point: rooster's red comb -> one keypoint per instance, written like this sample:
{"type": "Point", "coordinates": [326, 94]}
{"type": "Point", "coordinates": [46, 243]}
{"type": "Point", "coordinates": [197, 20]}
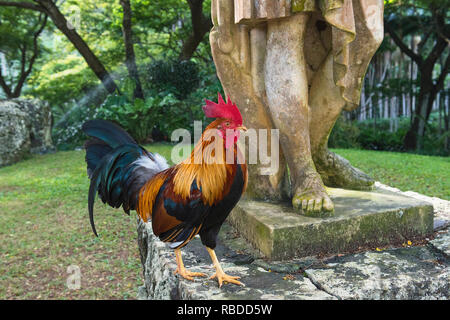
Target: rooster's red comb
{"type": "Point", "coordinates": [221, 109]}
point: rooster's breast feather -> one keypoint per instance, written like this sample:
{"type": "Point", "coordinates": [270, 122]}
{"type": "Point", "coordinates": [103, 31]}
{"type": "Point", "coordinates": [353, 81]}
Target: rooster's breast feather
{"type": "Point", "coordinates": [178, 220]}
{"type": "Point", "coordinates": [187, 198]}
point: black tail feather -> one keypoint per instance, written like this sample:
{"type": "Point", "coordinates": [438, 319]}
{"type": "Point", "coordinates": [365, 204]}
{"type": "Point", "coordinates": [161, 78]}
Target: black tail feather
{"type": "Point", "coordinates": [115, 173]}
{"type": "Point", "coordinates": [96, 149]}
{"type": "Point", "coordinates": [107, 131]}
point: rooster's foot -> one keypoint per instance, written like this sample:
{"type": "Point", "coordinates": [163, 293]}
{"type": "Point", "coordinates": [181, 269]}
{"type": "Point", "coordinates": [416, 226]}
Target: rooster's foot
{"type": "Point", "coordinates": [182, 271]}
{"type": "Point", "coordinates": [223, 277]}
{"type": "Point", "coordinates": [188, 275]}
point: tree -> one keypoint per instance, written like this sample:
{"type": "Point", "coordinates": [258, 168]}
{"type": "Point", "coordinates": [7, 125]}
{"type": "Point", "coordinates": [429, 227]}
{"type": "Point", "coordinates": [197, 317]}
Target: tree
{"type": "Point", "coordinates": [181, 24]}
{"type": "Point", "coordinates": [49, 8]}
{"type": "Point", "coordinates": [201, 25]}
{"type": "Point", "coordinates": [429, 20]}
{"type": "Point", "coordinates": [21, 51]}
{"type": "Point", "coordinates": [130, 59]}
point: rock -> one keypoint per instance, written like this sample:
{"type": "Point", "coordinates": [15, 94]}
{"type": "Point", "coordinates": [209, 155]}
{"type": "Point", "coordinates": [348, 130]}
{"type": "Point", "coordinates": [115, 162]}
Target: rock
{"type": "Point", "coordinates": [362, 219]}
{"type": "Point", "coordinates": [25, 126]}
{"type": "Point", "coordinates": [439, 224]}
{"type": "Point", "coordinates": [413, 272]}
{"type": "Point", "coordinates": [160, 282]}
{"type": "Point", "coordinates": [441, 207]}
{"type": "Point", "coordinates": [405, 273]}
{"type": "Point", "coordinates": [442, 242]}
{"type": "Point", "coordinates": [15, 141]}
{"type": "Point", "coordinates": [41, 124]}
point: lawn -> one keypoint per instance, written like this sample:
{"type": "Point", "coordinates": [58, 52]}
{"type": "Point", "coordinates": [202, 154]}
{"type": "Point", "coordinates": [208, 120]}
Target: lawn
{"type": "Point", "coordinates": [44, 228]}
{"type": "Point", "coordinates": [428, 175]}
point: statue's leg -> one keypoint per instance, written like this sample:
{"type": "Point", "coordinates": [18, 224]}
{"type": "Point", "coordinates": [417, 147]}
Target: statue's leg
{"type": "Point", "coordinates": [326, 105]}
{"type": "Point", "coordinates": [287, 94]}
{"type": "Point", "coordinates": [326, 98]}
{"type": "Point", "coordinates": [239, 71]}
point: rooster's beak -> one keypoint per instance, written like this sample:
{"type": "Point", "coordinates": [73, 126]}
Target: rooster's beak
{"type": "Point", "coordinates": [242, 128]}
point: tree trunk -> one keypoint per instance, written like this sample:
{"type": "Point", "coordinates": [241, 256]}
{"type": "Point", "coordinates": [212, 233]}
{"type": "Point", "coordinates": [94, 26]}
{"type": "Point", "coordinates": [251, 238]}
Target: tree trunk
{"type": "Point", "coordinates": [427, 94]}
{"type": "Point", "coordinates": [129, 50]}
{"type": "Point", "coordinates": [428, 88]}
{"type": "Point", "coordinates": [200, 26]}
{"type": "Point", "coordinates": [24, 70]}
{"type": "Point", "coordinates": [414, 137]}
{"type": "Point", "coordinates": [91, 59]}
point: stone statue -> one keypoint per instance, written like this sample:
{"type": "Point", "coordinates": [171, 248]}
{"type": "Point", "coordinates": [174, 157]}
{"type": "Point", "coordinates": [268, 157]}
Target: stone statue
{"type": "Point", "coordinates": [295, 65]}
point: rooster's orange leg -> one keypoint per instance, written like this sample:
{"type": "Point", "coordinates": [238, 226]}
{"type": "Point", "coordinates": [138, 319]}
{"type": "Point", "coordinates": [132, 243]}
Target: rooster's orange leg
{"type": "Point", "coordinates": [182, 271]}
{"type": "Point", "coordinates": [220, 274]}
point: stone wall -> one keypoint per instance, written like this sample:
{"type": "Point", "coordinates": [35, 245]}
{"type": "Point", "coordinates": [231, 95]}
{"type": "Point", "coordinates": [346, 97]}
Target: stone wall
{"type": "Point", "coordinates": [25, 126]}
{"type": "Point", "coordinates": [413, 270]}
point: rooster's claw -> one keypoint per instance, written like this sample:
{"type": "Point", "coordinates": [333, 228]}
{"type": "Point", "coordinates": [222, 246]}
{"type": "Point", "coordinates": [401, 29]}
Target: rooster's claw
{"type": "Point", "coordinates": [221, 278]}
{"type": "Point", "coordinates": [188, 275]}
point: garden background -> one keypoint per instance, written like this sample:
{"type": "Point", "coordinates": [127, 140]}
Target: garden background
{"type": "Point", "coordinates": [147, 65]}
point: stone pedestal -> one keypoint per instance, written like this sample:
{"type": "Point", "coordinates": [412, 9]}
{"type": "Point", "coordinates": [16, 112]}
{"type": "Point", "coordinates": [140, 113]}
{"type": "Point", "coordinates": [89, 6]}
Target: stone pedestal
{"type": "Point", "coordinates": [362, 220]}
{"type": "Point", "coordinates": [418, 270]}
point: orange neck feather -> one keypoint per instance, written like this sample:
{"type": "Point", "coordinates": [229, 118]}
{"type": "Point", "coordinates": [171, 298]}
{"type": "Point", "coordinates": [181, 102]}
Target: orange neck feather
{"type": "Point", "coordinates": [211, 177]}
{"type": "Point", "coordinates": [207, 166]}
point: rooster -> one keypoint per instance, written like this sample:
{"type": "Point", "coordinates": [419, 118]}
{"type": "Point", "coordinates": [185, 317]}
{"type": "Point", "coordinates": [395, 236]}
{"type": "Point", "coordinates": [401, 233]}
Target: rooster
{"type": "Point", "coordinates": [190, 198]}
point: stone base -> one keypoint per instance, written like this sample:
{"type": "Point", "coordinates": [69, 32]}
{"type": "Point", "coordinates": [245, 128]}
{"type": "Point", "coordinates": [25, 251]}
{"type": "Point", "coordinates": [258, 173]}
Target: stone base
{"type": "Point", "coordinates": [411, 272]}
{"type": "Point", "coordinates": [262, 281]}
{"type": "Point", "coordinates": [416, 270]}
{"type": "Point", "coordinates": [362, 220]}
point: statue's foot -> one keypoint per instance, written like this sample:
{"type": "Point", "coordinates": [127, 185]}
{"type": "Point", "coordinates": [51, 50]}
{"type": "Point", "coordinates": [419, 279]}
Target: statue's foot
{"type": "Point", "coordinates": [337, 171]}
{"type": "Point", "coordinates": [310, 197]}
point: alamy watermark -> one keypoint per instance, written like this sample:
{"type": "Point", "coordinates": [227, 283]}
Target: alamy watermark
{"type": "Point", "coordinates": [254, 144]}
{"type": "Point", "coordinates": [73, 281]}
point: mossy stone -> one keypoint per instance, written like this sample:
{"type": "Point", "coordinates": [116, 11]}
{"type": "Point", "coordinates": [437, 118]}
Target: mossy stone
{"type": "Point", "coordinates": [362, 220]}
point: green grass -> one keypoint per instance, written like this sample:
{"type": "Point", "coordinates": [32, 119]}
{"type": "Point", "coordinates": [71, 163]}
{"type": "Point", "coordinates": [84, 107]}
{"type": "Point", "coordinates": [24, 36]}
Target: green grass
{"type": "Point", "coordinates": [44, 225]}
{"type": "Point", "coordinates": [44, 229]}
{"type": "Point", "coordinates": [428, 175]}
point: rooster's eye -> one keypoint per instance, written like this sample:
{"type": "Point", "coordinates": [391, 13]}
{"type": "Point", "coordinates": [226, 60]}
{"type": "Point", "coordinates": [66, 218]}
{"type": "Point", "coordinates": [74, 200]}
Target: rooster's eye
{"type": "Point", "coordinates": [227, 124]}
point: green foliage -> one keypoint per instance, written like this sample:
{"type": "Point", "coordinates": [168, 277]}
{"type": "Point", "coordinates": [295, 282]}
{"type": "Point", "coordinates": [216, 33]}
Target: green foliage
{"type": "Point", "coordinates": [177, 77]}
{"type": "Point", "coordinates": [423, 20]}
{"type": "Point", "coordinates": [345, 134]}
{"type": "Point", "coordinates": [18, 29]}
{"type": "Point", "coordinates": [66, 133]}
{"type": "Point", "coordinates": [371, 135]}
{"type": "Point", "coordinates": [373, 138]}
{"type": "Point", "coordinates": [62, 81]}
{"type": "Point", "coordinates": [154, 118]}
{"type": "Point", "coordinates": [163, 110]}
{"type": "Point", "coordinates": [17, 22]}
{"type": "Point", "coordinates": [174, 91]}
{"type": "Point", "coordinates": [138, 117]}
